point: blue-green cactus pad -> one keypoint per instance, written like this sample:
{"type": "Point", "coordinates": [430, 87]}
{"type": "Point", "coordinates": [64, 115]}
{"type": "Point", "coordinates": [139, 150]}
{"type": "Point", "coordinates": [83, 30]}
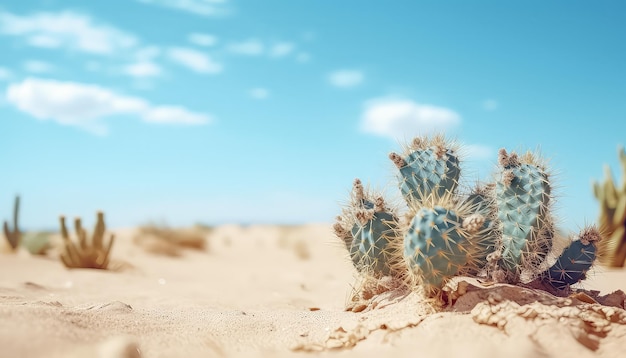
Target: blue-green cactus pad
{"type": "Point", "coordinates": [572, 265]}
{"type": "Point", "coordinates": [424, 174]}
{"type": "Point", "coordinates": [522, 208]}
{"type": "Point", "coordinates": [433, 246]}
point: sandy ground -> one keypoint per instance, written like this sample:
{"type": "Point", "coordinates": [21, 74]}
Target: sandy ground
{"type": "Point", "coordinates": [275, 291]}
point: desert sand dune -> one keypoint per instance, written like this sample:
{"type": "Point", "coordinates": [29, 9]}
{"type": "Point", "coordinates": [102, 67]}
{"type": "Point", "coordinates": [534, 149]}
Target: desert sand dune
{"type": "Point", "coordinates": [280, 291]}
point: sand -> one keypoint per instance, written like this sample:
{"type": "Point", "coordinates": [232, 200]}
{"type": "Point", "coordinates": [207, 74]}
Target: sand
{"type": "Point", "coordinates": [280, 291]}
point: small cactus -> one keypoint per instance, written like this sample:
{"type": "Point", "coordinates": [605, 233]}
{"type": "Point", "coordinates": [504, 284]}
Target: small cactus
{"type": "Point", "coordinates": [573, 264]}
{"type": "Point", "coordinates": [367, 227]}
{"type": "Point", "coordinates": [14, 236]}
{"type": "Point", "coordinates": [438, 244]}
{"type": "Point", "coordinates": [87, 254]}
{"type": "Point", "coordinates": [429, 166]}
{"type": "Point", "coordinates": [523, 199]}
{"type": "Point", "coordinates": [502, 230]}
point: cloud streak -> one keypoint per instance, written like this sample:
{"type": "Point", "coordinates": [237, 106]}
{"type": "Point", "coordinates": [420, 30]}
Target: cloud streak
{"type": "Point", "coordinates": [346, 78]}
{"type": "Point", "coordinates": [86, 105]}
{"type": "Point", "coordinates": [403, 118]}
{"type": "Point", "coordinates": [198, 7]}
{"type": "Point", "coordinates": [194, 60]}
{"type": "Point", "coordinates": [66, 29]}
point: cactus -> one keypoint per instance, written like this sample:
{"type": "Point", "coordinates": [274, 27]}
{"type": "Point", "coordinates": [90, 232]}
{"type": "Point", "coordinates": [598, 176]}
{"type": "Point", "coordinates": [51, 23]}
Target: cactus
{"type": "Point", "coordinates": [438, 243]}
{"type": "Point", "coordinates": [14, 236]}
{"type": "Point", "coordinates": [367, 227]}
{"type": "Point", "coordinates": [573, 264]}
{"type": "Point", "coordinates": [428, 166]}
{"type": "Point", "coordinates": [87, 254]}
{"type": "Point", "coordinates": [501, 230]}
{"type": "Point", "coordinates": [612, 200]}
{"type": "Point", "coordinates": [523, 198]}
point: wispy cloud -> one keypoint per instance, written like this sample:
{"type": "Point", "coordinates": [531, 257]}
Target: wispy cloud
{"type": "Point", "coordinates": [403, 118]}
{"type": "Point", "coordinates": [143, 69]}
{"type": "Point", "coordinates": [250, 47]}
{"type": "Point", "coordinates": [198, 7]}
{"type": "Point", "coordinates": [202, 39]}
{"type": "Point", "coordinates": [259, 93]}
{"type": "Point", "coordinates": [346, 78]}
{"type": "Point", "coordinates": [67, 29]}
{"type": "Point", "coordinates": [490, 105]}
{"type": "Point", "coordinates": [86, 105]}
{"type": "Point", "coordinates": [38, 67]}
{"type": "Point", "coordinates": [195, 60]}
{"type": "Point", "coordinates": [282, 49]}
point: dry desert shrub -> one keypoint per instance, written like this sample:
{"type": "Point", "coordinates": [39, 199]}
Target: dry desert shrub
{"type": "Point", "coordinates": [94, 253]}
{"type": "Point", "coordinates": [166, 241]}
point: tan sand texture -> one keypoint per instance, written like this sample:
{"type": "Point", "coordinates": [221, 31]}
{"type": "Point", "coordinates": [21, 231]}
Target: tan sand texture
{"type": "Point", "coordinates": [266, 291]}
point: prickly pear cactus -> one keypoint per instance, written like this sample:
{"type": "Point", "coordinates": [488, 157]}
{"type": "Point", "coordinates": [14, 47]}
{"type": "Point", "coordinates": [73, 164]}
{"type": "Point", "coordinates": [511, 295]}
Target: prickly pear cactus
{"type": "Point", "coordinates": [428, 166]}
{"type": "Point", "coordinates": [523, 199]}
{"type": "Point", "coordinates": [502, 230]}
{"type": "Point", "coordinates": [367, 229]}
{"type": "Point", "coordinates": [573, 264]}
{"type": "Point", "coordinates": [437, 245]}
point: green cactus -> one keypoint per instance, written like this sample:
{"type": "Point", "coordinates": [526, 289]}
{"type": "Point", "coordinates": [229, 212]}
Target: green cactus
{"type": "Point", "coordinates": [523, 199]}
{"type": "Point", "coordinates": [612, 200]}
{"type": "Point", "coordinates": [573, 264]}
{"type": "Point", "coordinates": [14, 236]}
{"type": "Point", "coordinates": [502, 230]}
{"type": "Point", "coordinates": [437, 245]}
{"type": "Point", "coordinates": [429, 166]}
{"type": "Point", "coordinates": [367, 229]}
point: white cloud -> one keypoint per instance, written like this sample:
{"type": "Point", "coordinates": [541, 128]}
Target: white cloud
{"type": "Point", "coordinates": [194, 60]}
{"type": "Point", "coordinates": [251, 47]}
{"type": "Point", "coordinates": [34, 66]}
{"type": "Point", "coordinates": [490, 105]}
{"type": "Point", "coordinates": [402, 118]}
{"type": "Point", "coordinates": [5, 74]}
{"type": "Point", "coordinates": [174, 114]}
{"type": "Point", "coordinates": [143, 69]}
{"type": "Point", "coordinates": [147, 53]}
{"type": "Point", "coordinates": [85, 105]}
{"type": "Point", "coordinates": [66, 29]}
{"type": "Point", "coordinates": [259, 93]}
{"type": "Point", "coordinates": [199, 7]}
{"type": "Point", "coordinates": [202, 39]}
{"type": "Point", "coordinates": [281, 49]}
{"type": "Point", "coordinates": [346, 78]}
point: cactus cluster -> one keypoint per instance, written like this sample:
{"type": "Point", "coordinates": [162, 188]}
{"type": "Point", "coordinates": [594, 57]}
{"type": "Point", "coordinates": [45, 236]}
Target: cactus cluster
{"type": "Point", "coordinates": [612, 199]}
{"type": "Point", "coordinates": [501, 230]}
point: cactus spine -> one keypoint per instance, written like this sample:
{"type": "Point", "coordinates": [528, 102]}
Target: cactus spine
{"type": "Point", "coordinates": [612, 200]}
{"type": "Point", "coordinates": [13, 236]}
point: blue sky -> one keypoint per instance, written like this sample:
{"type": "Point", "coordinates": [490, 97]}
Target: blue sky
{"type": "Point", "coordinates": [253, 111]}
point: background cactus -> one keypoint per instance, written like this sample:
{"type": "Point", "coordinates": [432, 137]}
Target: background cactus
{"type": "Point", "coordinates": [501, 230]}
{"type": "Point", "coordinates": [87, 254]}
{"type": "Point", "coordinates": [612, 200]}
{"type": "Point", "coordinates": [523, 199]}
{"type": "Point", "coordinates": [367, 228]}
{"type": "Point", "coordinates": [14, 235]}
